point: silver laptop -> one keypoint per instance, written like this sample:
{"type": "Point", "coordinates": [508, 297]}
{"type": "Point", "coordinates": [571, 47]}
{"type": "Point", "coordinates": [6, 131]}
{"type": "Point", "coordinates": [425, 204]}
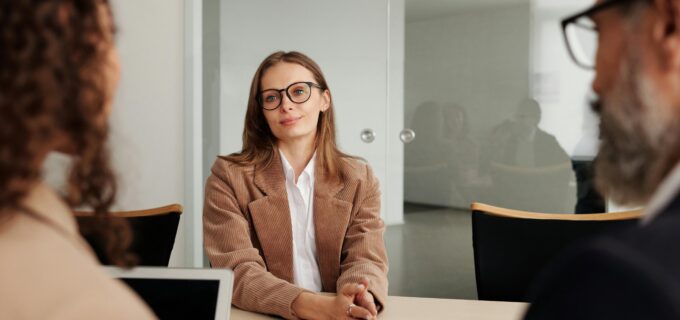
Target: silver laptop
{"type": "Point", "coordinates": [174, 293]}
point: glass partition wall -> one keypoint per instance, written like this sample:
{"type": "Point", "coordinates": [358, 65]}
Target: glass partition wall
{"type": "Point", "coordinates": [499, 111]}
{"type": "Point", "coordinates": [465, 101]}
{"type": "Point", "coordinates": [500, 116]}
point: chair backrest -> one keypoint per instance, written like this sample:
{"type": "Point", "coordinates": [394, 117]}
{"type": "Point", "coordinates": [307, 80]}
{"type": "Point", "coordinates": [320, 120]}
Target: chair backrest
{"type": "Point", "coordinates": [153, 230]}
{"type": "Point", "coordinates": [511, 247]}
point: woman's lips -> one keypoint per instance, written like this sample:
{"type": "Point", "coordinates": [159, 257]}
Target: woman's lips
{"type": "Point", "coordinates": [289, 121]}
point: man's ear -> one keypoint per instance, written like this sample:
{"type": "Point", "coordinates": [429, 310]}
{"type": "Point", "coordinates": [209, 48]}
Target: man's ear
{"type": "Point", "coordinates": [326, 100]}
{"type": "Point", "coordinates": [666, 31]}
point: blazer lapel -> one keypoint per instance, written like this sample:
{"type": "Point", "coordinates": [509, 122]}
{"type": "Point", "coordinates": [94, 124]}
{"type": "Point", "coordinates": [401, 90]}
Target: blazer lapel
{"type": "Point", "coordinates": [331, 218]}
{"type": "Point", "coordinates": [271, 219]}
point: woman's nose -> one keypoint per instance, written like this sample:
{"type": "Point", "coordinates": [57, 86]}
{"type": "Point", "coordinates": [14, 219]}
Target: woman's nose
{"type": "Point", "coordinates": [286, 103]}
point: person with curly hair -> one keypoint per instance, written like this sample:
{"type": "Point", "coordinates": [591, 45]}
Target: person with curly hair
{"type": "Point", "coordinates": [291, 214]}
{"type": "Point", "coordinates": [58, 73]}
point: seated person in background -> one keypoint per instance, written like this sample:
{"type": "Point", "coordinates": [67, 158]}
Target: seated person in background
{"type": "Point", "coordinates": [58, 71]}
{"type": "Point", "coordinates": [291, 214]}
{"type": "Point", "coordinates": [520, 142]}
{"type": "Point", "coordinates": [635, 273]}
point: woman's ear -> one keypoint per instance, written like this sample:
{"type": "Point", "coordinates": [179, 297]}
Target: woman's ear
{"type": "Point", "coordinates": [326, 100]}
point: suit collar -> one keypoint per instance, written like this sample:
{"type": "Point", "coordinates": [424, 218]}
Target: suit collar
{"type": "Point", "coordinates": [325, 186]}
{"type": "Point", "coordinates": [271, 180]}
{"type": "Point", "coordinates": [332, 215]}
{"type": "Point", "coordinates": [331, 220]}
{"type": "Point", "coordinates": [665, 196]}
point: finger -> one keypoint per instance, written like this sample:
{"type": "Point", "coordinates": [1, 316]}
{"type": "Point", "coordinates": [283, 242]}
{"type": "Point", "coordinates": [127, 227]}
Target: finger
{"type": "Point", "coordinates": [352, 289]}
{"type": "Point", "coordinates": [367, 301]}
{"type": "Point", "coordinates": [358, 312]}
{"type": "Point", "coordinates": [372, 307]}
{"type": "Point", "coordinates": [365, 282]}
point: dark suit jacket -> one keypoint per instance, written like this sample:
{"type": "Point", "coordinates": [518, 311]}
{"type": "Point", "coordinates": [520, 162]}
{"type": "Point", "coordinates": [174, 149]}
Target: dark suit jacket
{"type": "Point", "coordinates": [632, 274]}
{"type": "Point", "coordinates": [247, 228]}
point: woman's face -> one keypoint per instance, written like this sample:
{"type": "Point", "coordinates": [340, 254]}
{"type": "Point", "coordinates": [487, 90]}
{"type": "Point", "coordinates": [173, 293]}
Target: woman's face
{"type": "Point", "coordinates": [112, 62]}
{"type": "Point", "coordinates": [292, 121]}
{"type": "Point", "coordinates": [112, 78]}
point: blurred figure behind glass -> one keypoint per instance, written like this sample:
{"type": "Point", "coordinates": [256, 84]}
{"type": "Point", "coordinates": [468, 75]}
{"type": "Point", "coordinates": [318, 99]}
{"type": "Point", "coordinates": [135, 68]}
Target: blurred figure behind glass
{"type": "Point", "coordinates": [528, 168]}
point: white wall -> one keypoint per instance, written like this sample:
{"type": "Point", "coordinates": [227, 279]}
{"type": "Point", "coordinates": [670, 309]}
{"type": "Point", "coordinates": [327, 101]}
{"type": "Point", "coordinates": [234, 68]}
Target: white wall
{"type": "Point", "coordinates": [147, 118]}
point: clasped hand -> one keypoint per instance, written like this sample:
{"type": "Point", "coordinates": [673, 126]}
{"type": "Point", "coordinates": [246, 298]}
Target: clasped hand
{"type": "Point", "coordinates": [353, 301]}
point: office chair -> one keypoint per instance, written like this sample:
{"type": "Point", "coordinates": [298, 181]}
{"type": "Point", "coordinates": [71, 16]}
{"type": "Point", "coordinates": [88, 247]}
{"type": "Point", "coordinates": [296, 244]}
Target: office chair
{"type": "Point", "coordinates": [153, 231]}
{"type": "Point", "coordinates": [512, 247]}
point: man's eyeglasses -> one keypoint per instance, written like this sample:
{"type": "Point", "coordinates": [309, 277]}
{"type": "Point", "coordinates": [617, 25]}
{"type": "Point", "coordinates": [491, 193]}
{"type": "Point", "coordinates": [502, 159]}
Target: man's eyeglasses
{"type": "Point", "coordinates": [298, 92]}
{"type": "Point", "coordinates": [580, 33]}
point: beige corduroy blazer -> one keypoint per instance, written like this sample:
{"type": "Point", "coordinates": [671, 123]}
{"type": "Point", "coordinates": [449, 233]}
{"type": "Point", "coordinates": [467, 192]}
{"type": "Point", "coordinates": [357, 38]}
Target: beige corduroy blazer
{"type": "Point", "coordinates": [247, 228]}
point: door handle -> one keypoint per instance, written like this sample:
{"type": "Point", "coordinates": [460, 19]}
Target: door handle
{"type": "Point", "coordinates": [407, 135]}
{"type": "Point", "coordinates": [367, 135]}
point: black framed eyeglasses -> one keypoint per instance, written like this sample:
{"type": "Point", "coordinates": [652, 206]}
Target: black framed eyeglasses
{"type": "Point", "coordinates": [298, 92]}
{"type": "Point", "coordinates": [581, 35]}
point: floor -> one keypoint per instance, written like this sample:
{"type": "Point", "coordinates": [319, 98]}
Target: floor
{"type": "Point", "coordinates": [431, 255]}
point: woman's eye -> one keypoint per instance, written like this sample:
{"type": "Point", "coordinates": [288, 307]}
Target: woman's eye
{"type": "Point", "coordinates": [299, 92]}
{"type": "Point", "coordinates": [270, 98]}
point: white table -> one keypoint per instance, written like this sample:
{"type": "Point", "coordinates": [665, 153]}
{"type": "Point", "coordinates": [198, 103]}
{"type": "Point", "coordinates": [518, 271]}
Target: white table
{"type": "Point", "coordinates": [428, 308]}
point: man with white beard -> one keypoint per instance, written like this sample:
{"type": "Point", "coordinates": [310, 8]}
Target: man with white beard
{"type": "Point", "coordinates": [633, 273]}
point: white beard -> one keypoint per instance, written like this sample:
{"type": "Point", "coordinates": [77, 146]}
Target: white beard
{"type": "Point", "coordinates": [638, 127]}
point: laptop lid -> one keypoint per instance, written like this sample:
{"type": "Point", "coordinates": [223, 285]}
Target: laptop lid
{"type": "Point", "coordinates": [174, 293]}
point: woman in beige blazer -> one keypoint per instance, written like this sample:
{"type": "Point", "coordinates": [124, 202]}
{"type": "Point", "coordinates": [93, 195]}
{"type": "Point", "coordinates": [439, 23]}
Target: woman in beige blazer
{"type": "Point", "coordinates": [58, 69]}
{"type": "Point", "coordinates": [291, 214]}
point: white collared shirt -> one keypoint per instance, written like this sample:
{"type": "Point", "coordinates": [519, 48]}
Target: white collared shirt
{"type": "Point", "coordinates": [663, 195]}
{"type": "Point", "coordinates": [301, 202]}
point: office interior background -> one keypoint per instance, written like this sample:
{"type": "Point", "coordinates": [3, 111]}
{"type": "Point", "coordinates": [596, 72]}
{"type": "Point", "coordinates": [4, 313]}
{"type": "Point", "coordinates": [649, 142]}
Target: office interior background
{"type": "Point", "coordinates": [449, 101]}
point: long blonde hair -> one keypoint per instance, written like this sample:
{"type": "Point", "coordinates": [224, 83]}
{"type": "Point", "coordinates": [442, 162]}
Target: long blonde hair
{"type": "Point", "coordinates": [259, 143]}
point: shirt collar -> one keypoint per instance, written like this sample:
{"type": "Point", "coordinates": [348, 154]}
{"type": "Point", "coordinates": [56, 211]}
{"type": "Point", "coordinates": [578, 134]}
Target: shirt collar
{"type": "Point", "coordinates": [663, 195]}
{"type": "Point", "coordinates": [290, 173]}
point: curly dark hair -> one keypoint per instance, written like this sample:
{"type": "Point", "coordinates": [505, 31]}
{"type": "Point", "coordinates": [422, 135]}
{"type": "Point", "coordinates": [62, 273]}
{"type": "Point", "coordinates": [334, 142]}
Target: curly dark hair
{"type": "Point", "coordinates": [53, 86]}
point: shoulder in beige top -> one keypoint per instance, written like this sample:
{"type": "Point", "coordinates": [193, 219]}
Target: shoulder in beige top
{"type": "Point", "coordinates": [48, 271]}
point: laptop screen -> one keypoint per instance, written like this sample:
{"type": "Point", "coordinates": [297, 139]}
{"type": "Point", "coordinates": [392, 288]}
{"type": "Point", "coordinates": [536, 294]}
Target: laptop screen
{"type": "Point", "coordinates": [181, 293]}
{"type": "Point", "coordinates": [178, 298]}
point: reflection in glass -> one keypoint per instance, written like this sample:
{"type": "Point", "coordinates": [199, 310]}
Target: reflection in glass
{"type": "Point", "coordinates": [496, 104]}
{"type": "Point", "coordinates": [424, 163]}
{"type": "Point", "coordinates": [588, 198]}
{"type": "Point", "coordinates": [527, 166]}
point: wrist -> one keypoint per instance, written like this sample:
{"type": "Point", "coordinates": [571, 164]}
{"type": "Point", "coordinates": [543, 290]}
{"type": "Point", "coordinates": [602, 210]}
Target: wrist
{"type": "Point", "coordinates": [305, 305]}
